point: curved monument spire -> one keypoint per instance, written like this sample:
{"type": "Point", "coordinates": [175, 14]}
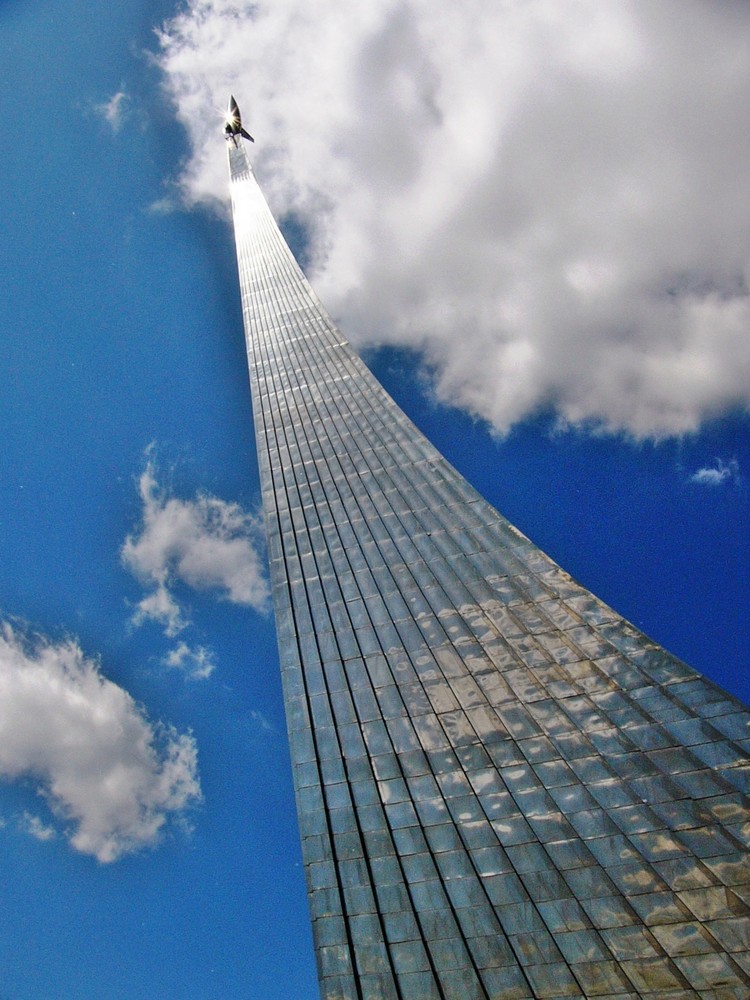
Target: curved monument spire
{"type": "Point", "coordinates": [505, 791]}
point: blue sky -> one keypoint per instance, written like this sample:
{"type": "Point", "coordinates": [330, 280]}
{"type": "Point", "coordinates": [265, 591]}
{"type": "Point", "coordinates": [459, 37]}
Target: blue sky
{"type": "Point", "coordinates": [124, 371]}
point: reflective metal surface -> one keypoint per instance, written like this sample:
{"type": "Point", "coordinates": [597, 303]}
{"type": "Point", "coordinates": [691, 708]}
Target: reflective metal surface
{"type": "Point", "coordinates": [504, 789]}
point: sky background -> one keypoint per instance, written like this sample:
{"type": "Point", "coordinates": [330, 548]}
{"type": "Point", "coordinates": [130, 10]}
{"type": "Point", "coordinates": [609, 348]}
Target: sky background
{"type": "Point", "coordinates": [532, 219]}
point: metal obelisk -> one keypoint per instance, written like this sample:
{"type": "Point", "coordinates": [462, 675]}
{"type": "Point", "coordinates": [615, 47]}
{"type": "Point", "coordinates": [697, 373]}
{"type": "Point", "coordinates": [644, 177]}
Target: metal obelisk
{"type": "Point", "coordinates": [504, 789]}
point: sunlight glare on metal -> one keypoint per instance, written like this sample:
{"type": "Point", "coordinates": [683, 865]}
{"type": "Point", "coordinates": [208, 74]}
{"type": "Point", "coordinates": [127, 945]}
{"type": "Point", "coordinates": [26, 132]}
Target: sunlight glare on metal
{"type": "Point", "coordinates": [224, 116]}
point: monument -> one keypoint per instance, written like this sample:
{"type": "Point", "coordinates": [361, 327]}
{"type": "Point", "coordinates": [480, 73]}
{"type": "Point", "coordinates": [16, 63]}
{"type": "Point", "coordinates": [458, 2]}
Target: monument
{"type": "Point", "coordinates": [505, 791]}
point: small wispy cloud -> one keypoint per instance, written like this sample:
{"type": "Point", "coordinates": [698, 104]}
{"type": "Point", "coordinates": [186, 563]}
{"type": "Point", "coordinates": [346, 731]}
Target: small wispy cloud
{"type": "Point", "coordinates": [205, 544]}
{"type": "Point", "coordinates": [718, 475]}
{"type": "Point", "coordinates": [114, 110]}
{"type": "Point", "coordinates": [261, 721]}
{"type": "Point", "coordinates": [34, 826]}
{"type": "Point", "coordinates": [164, 206]}
{"type": "Point", "coordinates": [197, 662]}
{"type": "Point", "coordinates": [111, 778]}
{"type": "Point", "coordinates": [160, 606]}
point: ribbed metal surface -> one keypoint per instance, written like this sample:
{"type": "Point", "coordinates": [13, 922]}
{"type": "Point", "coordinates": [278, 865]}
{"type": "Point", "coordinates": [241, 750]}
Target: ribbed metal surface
{"type": "Point", "coordinates": [504, 789]}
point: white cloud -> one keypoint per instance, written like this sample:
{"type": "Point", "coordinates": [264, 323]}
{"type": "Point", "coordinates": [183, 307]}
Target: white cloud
{"type": "Point", "coordinates": [34, 826]}
{"type": "Point", "coordinates": [114, 110]}
{"type": "Point", "coordinates": [543, 198]}
{"type": "Point", "coordinates": [197, 662]}
{"type": "Point", "coordinates": [110, 777]}
{"type": "Point", "coordinates": [205, 543]}
{"type": "Point", "coordinates": [160, 606]}
{"type": "Point", "coordinates": [260, 720]}
{"type": "Point", "coordinates": [722, 472]}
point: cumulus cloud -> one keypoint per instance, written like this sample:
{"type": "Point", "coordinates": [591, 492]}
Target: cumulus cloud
{"type": "Point", "coordinates": [544, 199]}
{"type": "Point", "coordinates": [114, 110]}
{"type": "Point", "coordinates": [111, 778]}
{"type": "Point", "coordinates": [204, 543]}
{"type": "Point", "coordinates": [717, 475]}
